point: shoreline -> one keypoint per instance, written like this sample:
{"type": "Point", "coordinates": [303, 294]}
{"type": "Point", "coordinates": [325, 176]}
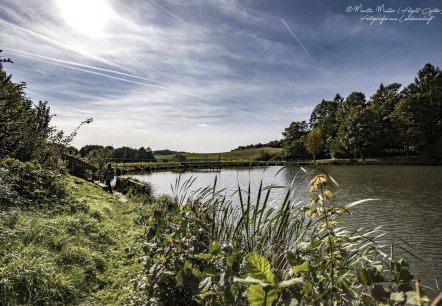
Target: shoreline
{"type": "Point", "coordinates": [123, 168]}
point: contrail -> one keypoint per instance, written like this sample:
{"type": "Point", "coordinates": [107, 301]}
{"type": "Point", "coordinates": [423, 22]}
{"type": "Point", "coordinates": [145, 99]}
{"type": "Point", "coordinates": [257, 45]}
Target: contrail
{"type": "Point", "coordinates": [130, 81]}
{"type": "Point", "coordinates": [201, 34]}
{"type": "Point", "coordinates": [114, 77]}
{"type": "Point", "coordinates": [300, 43]}
{"type": "Point", "coordinates": [81, 65]}
{"type": "Point", "coordinates": [168, 12]}
{"type": "Point", "coordinates": [64, 46]}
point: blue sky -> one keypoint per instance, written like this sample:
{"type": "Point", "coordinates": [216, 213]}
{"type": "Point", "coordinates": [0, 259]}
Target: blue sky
{"type": "Point", "coordinates": [207, 75]}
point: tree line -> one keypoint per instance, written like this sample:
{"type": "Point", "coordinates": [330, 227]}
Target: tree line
{"type": "Point", "coordinates": [395, 121]}
{"type": "Point", "coordinates": [99, 155]}
{"type": "Point", "coordinates": [115, 153]}
{"type": "Point", "coordinates": [271, 144]}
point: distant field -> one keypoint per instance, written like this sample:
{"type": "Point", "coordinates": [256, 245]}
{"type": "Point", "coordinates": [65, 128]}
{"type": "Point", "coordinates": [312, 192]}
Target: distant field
{"type": "Point", "coordinates": [241, 155]}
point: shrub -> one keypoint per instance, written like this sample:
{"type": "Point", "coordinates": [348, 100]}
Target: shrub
{"type": "Point", "coordinates": [133, 186]}
{"type": "Point", "coordinates": [26, 184]}
{"type": "Point", "coordinates": [211, 251]}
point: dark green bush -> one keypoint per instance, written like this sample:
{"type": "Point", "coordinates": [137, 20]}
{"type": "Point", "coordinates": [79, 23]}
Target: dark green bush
{"type": "Point", "coordinates": [133, 187]}
{"type": "Point", "coordinates": [26, 184]}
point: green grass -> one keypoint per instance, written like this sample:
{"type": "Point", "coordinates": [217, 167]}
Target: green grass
{"type": "Point", "coordinates": [392, 160]}
{"type": "Point", "coordinates": [73, 256]}
{"type": "Point", "coordinates": [96, 250]}
{"type": "Point", "coordinates": [236, 155]}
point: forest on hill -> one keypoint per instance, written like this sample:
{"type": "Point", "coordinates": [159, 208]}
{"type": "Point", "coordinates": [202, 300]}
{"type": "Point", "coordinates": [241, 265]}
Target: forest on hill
{"type": "Point", "coordinates": [393, 122]}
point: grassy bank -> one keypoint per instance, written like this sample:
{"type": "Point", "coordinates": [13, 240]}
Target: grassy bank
{"type": "Point", "coordinates": [392, 160]}
{"type": "Point", "coordinates": [82, 246]}
{"type": "Point", "coordinates": [164, 165]}
{"type": "Point", "coordinates": [70, 251]}
{"type": "Point", "coordinates": [250, 154]}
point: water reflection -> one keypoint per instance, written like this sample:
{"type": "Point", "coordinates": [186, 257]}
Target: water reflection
{"type": "Point", "coordinates": [409, 203]}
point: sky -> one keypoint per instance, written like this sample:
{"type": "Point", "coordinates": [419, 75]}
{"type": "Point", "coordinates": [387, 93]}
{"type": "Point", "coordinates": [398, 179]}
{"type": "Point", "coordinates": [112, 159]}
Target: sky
{"type": "Point", "coordinates": [208, 75]}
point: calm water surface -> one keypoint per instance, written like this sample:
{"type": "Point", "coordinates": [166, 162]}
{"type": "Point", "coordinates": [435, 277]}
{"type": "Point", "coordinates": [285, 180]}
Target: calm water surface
{"type": "Point", "coordinates": [409, 206]}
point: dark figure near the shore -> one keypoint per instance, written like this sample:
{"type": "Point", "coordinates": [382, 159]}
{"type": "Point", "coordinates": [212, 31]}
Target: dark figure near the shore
{"type": "Point", "coordinates": [109, 176]}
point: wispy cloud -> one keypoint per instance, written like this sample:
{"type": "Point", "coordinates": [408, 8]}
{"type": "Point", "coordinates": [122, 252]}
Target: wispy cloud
{"type": "Point", "coordinates": [61, 45]}
{"type": "Point", "coordinates": [180, 74]}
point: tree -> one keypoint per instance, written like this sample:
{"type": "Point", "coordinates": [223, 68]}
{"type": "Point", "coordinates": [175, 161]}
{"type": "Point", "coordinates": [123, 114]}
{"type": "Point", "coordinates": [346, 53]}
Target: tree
{"type": "Point", "coordinates": [427, 93]}
{"type": "Point", "coordinates": [407, 124]}
{"type": "Point", "coordinates": [144, 154]}
{"type": "Point", "coordinates": [313, 142]}
{"type": "Point", "coordinates": [353, 100]}
{"type": "Point", "coordinates": [358, 133]}
{"type": "Point", "coordinates": [25, 130]}
{"type": "Point", "coordinates": [323, 111]}
{"type": "Point", "coordinates": [323, 117]}
{"type": "Point", "coordinates": [99, 157]}
{"type": "Point", "coordinates": [294, 138]}
{"type": "Point", "coordinates": [84, 151]}
{"type": "Point", "coordinates": [417, 118]}
{"type": "Point", "coordinates": [383, 103]}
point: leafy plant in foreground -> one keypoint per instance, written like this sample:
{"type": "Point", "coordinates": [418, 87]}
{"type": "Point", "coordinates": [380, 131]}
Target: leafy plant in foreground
{"type": "Point", "coordinates": [208, 250]}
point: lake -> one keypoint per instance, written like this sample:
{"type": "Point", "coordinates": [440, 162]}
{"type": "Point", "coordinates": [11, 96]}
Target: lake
{"type": "Point", "coordinates": [409, 205]}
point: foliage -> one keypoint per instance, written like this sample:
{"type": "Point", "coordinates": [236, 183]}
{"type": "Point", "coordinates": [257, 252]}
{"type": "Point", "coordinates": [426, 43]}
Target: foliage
{"type": "Point", "coordinates": [243, 155]}
{"type": "Point", "coordinates": [129, 153]}
{"type": "Point", "coordinates": [294, 139]}
{"type": "Point", "coordinates": [266, 156]}
{"type": "Point", "coordinates": [409, 133]}
{"type": "Point", "coordinates": [25, 130]}
{"type": "Point", "coordinates": [201, 249]}
{"type": "Point", "coordinates": [99, 157]}
{"type": "Point", "coordinates": [102, 154]}
{"type": "Point", "coordinates": [359, 132]}
{"type": "Point", "coordinates": [392, 122]}
{"type": "Point", "coordinates": [313, 142]}
{"type": "Point", "coordinates": [133, 186]}
{"type": "Point", "coordinates": [270, 144]}
{"type": "Point", "coordinates": [28, 184]}
{"type": "Point", "coordinates": [66, 250]}
{"type": "Point", "coordinates": [165, 152]}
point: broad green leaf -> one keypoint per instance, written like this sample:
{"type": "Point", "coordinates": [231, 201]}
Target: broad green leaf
{"type": "Point", "coordinates": [229, 260]}
{"type": "Point", "coordinates": [379, 292]}
{"type": "Point", "coordinates": [403, 262]}
{"type": "Point", "coordinates": [302, 268]}
{"type": "Point", "coordinates": [258, 267]}
{"type": "Point", "coordinates": [257, 296]}
{"type": "Point", "coordinates": [210, 271]}
{"type": "Point", "coordinates": [187, 265]}
{"type": "Point", "coordinates": [207, 294]}
{"type": "Point", "coordinates": [364, 277]}
{"type": "Point", "coordinates": [405, 276]}
{"type": "Point", "coordinates": [327, 194]}
{"type": "Point", "coordinates": [204, 256]}
{"type": "Point", "coordinates": [345, 285]}
{"type": "Point", "coordinates": [396, 266]}
{"type": "Point", "coordinates": [215, 248]}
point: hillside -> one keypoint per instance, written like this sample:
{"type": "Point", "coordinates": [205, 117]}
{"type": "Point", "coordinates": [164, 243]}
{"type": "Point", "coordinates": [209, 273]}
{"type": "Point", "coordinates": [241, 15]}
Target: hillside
{"type": "Point", "coordinates": [249, 154]}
